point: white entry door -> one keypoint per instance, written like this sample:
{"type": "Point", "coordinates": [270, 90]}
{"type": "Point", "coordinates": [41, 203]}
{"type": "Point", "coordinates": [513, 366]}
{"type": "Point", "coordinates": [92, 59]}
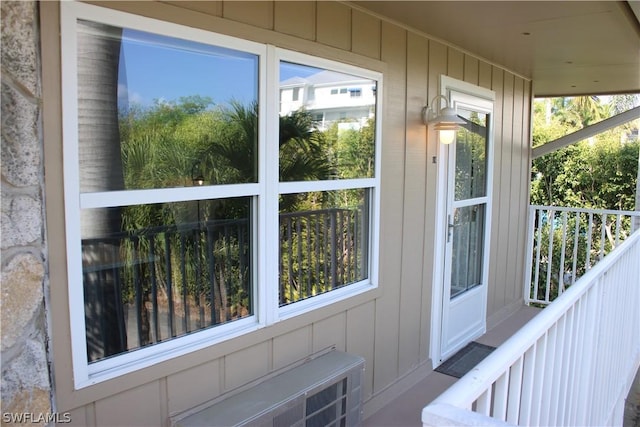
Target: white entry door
{"type": "Point", "coordinates": [467, 213]}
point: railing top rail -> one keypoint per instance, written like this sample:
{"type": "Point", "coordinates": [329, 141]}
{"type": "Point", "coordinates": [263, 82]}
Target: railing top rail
{"type": "Point", "coordinates": [466, 390]}
{"type": "Point", "coordinates": [315, 212]}
{"type": "Point", "coordinates": [585, 210]}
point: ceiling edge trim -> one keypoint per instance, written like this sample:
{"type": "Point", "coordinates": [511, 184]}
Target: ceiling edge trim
{"type": "Point", "coordinates": [433, 38]}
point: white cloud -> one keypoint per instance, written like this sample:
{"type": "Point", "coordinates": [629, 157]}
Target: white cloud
{"type": "Point", "coordinates": [131, 97]}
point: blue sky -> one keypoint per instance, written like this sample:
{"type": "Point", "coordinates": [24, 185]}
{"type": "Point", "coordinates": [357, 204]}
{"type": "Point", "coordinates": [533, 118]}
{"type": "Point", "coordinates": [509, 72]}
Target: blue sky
{"type": "Point", "coordinates": [154, 67]}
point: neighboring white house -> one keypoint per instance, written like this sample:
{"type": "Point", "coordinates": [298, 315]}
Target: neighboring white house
{"type": "Point", "coordinates": [330, 96]}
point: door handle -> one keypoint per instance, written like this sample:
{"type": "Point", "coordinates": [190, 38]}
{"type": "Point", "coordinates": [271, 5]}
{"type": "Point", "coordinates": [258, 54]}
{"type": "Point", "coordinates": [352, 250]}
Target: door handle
{"type": "Point", "coordinates": [450, 226]}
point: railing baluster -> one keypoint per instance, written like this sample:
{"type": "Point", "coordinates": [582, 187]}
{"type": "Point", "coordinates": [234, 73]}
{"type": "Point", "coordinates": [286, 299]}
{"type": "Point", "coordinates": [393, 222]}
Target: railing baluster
{"type": "Point", "coordinates": [536, 279]}
{"type": "Point", "coordinates": [138, 290]}
{"type": "Point", "coordinates": [168, 273]}
{"type": "Point", "coordinates": [290, 254]}
{"type": "Point", "coordinates": [483, 404]}
{"type": "Point", "coordinates": [154, 286]}
{"type": "Point", "coordinates": [281, 266]}
{"type": "Point", "coordinates": [548, 376]}
{"type": "Point", "coordinates": [551, 218]}
{"type": "Point", "coordinates": [326, 246]}
{"type": "Point", "coordinates": [562, 254]}
{"type": "Point", "coordinates": [500, 396]}
{"type": "Point", "coordinates": [568, 371]}
{"type": "Point", "coordinates": [317, 245]}
{"type": "Point", "coordinates": [199, 281]}
{"type": "Point", "coordinates": [603, 235]}
{"type": "Point", "coordinates": [515, 391]}
{"type": "Point", "coordinates": [587, 264]}
{"type": "Point", "coordinates": [122, 327]}
{"type": "Point", "coordinates": [333, 249]}
{"type": "Point", "coordinates": [211, 265]}
{"type": "Point", "coordinates": [618, 219]}
{"type": "Point", "coordinates": [301, 281]}
{"type": "Point", "coordinates": [341, 246]}
{"type": "Point", "coordinates": [307, 232]}
{"type": "Point", "coordinates": [225, 280]}
{"type": "Point", "coordinates": [185, 280]}
{"type": "Point", "coordinates": [576, 242]}
{"type": "Point", "coordinates": [558, 367]}
{"type": "Point", "coordinates": [539, 380]}
{"type": "Point", "coordinates": [528, 381]}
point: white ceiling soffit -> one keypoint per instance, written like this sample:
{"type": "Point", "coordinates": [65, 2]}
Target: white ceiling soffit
{"type": "Point", "coordinates": [565, 47]}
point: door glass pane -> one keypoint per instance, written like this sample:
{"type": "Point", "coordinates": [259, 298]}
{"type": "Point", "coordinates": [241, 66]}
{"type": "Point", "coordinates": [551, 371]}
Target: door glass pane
{"type": "Point", "coordinates": [150, 107]}
{"type": "Point", "coordinates": [327, 124]}
{"type": "Point", "coordinates": [468, 244]}
{"type": "Point", "coordinates": [471, 155]}
{"type": "Point", "coordinates": [173, 269]}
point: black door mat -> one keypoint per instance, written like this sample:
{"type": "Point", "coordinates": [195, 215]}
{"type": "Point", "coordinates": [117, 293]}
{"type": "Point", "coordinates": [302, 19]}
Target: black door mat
{"type": "Point", "coordinates": [465, 360]}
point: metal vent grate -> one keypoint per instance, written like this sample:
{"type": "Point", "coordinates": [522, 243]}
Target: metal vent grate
{"type": "Point", "coordinates": [323, 392]}
{"type": "Point", "coordinates": [328, 407]}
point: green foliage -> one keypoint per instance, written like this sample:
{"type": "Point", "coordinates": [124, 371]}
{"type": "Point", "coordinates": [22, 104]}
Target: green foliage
{"type": "Point", "coordinates": [200, 249]}
{"type": "Point", "coordinates": [598, 173]}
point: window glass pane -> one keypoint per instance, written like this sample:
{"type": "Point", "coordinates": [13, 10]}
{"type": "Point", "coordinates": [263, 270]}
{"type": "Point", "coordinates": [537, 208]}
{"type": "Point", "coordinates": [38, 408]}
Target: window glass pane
{"type": "Point", "coordinates": [327, 131]}
{"type": "Point", "coordinates": [150, 106]}
{"type": "Point", "coordinates": [324, 242]}
{"type": "Point", "coordinates": [468, 247]}
{"type": "Point", "coordinates": [471, 155]}
{"type": "Point", "coordinates": [168, 270]}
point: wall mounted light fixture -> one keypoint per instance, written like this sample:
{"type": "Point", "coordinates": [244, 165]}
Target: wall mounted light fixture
{"type": "Point", "coordinates": [196, 174]}
{"type": "Point", "coordinates": [444, 120]}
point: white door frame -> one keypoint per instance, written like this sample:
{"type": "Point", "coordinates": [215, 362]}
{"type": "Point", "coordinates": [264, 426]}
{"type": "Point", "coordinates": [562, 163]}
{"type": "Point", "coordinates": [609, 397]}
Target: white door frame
{"type": "Point", "coordinates": [447, 86]}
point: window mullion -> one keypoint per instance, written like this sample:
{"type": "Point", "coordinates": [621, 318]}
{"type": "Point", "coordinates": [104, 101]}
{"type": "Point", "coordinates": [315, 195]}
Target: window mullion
{"type": "Point", "coordinates": [269, 234]}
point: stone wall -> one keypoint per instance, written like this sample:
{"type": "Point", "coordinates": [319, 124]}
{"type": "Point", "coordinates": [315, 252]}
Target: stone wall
{"type": "Point", "coordinates": [26, 386]}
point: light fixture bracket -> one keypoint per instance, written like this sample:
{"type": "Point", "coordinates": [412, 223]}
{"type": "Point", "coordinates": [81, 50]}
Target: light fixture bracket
{"type": "Point", "coordinates": [441, 118]}
{"type": "Point", "coordinates": [444, 120]}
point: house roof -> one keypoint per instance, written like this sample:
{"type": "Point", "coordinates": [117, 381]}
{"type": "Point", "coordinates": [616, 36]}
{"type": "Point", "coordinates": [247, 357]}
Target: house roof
{"type": "Point", "coordinates": [565, 47]}
{"type": "Point", "coordinates": [324, 77]}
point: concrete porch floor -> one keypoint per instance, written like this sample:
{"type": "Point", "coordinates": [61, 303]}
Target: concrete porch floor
{"type": "Point", "coordinates": [406, 410]}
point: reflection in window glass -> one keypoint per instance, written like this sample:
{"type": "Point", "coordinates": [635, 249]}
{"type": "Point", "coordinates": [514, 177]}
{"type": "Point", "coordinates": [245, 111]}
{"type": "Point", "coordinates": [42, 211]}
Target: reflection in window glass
{"type": "Point", "coordinates": [468, 241]}
{"type": "Point", "coordinates": [323, 242]}
{"type": "Point", "coordinates": [150, 106]}
{"type": "Point", "coordinates": [175, 268]}
{"type": "Point", "coordinates": [471, 155]}
{"type": "Point", "coordinates": [342, 144]}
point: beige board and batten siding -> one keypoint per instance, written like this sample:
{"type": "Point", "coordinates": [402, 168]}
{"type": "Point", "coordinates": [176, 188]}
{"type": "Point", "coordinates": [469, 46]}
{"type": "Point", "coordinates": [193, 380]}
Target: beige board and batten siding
{"type": "Point", "coordinates": [390, 328]}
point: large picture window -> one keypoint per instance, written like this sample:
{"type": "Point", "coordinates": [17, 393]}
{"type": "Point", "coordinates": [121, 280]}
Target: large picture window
{"type": "Point", "coordinates": [171, 208]}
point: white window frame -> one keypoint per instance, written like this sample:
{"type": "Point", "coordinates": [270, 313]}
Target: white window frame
{"type": "Point", "coordinates": [264, 193]}
{"type": "Point", "coordinates": [370, 184]}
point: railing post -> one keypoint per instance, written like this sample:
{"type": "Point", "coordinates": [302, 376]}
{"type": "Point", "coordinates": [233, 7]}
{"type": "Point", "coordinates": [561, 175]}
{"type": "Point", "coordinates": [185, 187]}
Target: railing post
{"type": "Point", "coordinates": [529, 256]}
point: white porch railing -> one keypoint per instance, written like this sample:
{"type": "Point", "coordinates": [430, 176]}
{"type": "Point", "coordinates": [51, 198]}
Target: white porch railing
{"type": "Point", "coordinates": [581, 238]}
{"type": "Point", "coordinates": [573, 364]}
